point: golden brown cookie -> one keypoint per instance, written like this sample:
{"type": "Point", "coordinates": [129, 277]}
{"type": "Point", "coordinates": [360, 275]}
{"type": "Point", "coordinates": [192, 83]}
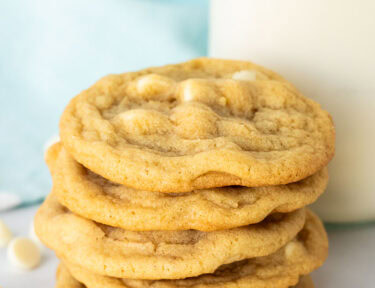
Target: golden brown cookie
{"type": "Point", "coordinates": [283, 268]}
{"type": "Point", "coordinates": [197, 125]}
{"type": "Point", "coordinates": [96, 198]}
{"type": "Point", "coordinates": [305, 282]}
{"type": "Point", "coordinates": [158, 254]}
{"type": "Point", "coordinates": [66, 280]}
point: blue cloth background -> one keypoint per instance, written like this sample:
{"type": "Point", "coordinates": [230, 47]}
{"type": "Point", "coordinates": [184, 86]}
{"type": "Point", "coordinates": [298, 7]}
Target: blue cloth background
{"type": "Point", "coordinates": [51, 50]}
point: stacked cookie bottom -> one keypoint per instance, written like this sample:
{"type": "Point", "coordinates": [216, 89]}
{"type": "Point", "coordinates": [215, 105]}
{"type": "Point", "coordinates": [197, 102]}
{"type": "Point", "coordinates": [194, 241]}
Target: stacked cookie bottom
{"type": "Point", "coordinates": [110, 235]}
{"type": "Point", "coordinates": [66, 280]}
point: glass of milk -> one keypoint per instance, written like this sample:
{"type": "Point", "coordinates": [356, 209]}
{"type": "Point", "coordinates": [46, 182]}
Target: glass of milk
{"type": "Point", "coordinates": [327, 49]}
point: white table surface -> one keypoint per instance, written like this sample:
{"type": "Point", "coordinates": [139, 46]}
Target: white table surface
{"type": "Point", "coordinates": [351, 263]}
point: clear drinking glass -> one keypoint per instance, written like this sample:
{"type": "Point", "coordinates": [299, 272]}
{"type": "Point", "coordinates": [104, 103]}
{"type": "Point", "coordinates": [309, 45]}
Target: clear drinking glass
{"type": "Point", "coordinates": [326, 48]}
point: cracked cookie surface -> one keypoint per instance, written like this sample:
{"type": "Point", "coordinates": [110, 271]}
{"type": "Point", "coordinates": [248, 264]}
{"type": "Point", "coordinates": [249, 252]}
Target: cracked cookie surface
{"type": "Point", "coordinates": [121, 253]}
{"type": "Point", "coordinates": [281, 269]}
{"type": "Point", "coordinates": [93, 197]}
{"type": "Point", "coordinates": [195, 125]}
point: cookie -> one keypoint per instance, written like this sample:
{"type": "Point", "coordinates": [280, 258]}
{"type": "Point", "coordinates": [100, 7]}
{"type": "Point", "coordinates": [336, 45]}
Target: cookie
{"type": "Point", "coordinates": [65, 280]}
{"type": "Point", "coordinates": [305, 282]}
{"type": "Point", "coordinates": [305, 253]}
{"type": "Point", "coordinates": [120, 253]}
{"type": "Point", "coordinates": [197, 125]}
{"type": "Point", "coordinates": [91, 196]}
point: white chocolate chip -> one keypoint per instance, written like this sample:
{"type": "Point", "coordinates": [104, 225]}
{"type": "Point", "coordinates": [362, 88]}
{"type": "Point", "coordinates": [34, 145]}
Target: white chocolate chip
{"type": "Point", "coordinates": [142, 122]}
{"type": "Point", "coordinates": [153, 84]}
{"type": "Point", "coordinates": [8, 200]}
{"type": "Point", "coordinates": [24, 253]}
{"type": "Point", "coordinates": [5, 234]}
{"type": "Point", "coordinates": [245, 75]}
{"type": "Point", "coordinates": [52, 140]}
{"type": "Point", "coordinates": [187, 93]}
{"type": "Point", "coordinates": [144, 83]}
{"type": "Point", "coordinates": [293, 249]}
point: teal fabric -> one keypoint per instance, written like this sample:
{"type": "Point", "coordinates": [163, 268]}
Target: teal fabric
{"type": "Point", "coordinates": [50, 50]}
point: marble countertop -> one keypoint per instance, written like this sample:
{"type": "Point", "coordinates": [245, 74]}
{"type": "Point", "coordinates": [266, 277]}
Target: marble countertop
{"type": "Point", "coordinates": [351, 262]}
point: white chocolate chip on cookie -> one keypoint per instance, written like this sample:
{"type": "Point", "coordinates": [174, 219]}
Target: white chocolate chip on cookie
{"type": "Point", "coordinates": [153, 84]}
{"type": "Point", "coordinates": [293, 248]}
{"type": "Point", "coordinates": [249, 75]}
{"type": "Point", "coordinates": [245, 75]}
{"type": "Point", "coordinates": [167, 123]}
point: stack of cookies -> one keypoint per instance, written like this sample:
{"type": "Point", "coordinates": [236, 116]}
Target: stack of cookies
{"type": "Point", "coordinates": [188, 175]}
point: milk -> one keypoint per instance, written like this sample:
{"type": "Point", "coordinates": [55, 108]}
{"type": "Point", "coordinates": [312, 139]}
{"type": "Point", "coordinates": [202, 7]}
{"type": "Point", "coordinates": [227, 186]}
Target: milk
{"type": "Point", "coordinates": [326, 48]}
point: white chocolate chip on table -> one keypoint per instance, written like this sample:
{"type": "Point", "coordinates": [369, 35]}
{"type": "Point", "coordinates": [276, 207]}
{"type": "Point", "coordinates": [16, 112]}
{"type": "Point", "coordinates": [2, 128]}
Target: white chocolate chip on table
{"type": "Point", "coordinates": [5, 234]}
{"type": "Point", "coordinates": [24, 253]}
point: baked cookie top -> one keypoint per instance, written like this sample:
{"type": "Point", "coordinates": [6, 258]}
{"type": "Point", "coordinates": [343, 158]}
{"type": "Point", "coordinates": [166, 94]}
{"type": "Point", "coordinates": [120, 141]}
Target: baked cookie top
{"type": "Point", "coordinates": [91, 196]}
{"type": "Point", "coordinates": [120, 253]}
{"type": "Point", "coordinates": [281, 269]}
{"type": "Point", "coordinates": [200, 124]}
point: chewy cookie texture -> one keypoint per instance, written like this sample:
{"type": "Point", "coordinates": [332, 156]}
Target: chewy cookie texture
{"type": "Point", "coordinates": [159, 254]}
{"type": "Point", "coordinates": [280, 269]}
{"type": "Point", "coordinates": [192, 126]}
{"type": "Point", "coordinates": [65, 280]}
{"type": "Point", "coordinates": [92, 196]}
{"type": "Point", "coordinates": [188, 175]}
